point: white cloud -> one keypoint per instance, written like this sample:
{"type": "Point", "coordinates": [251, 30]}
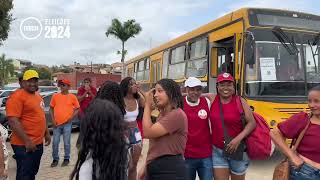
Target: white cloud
{"type": "Point", "coordinates": [89, 21]}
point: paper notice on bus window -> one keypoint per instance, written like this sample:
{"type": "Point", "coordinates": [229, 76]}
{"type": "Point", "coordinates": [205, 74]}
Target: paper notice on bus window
{"type": "Point", "coordinates": [268, 69]}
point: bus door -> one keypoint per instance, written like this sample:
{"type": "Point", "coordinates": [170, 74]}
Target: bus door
{"type": "Point", "coordinates": [223, 58]}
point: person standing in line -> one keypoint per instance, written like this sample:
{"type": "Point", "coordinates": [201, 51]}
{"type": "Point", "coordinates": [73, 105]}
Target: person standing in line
{"type": "Point", "coordinates": [104, 151]}
{"type": "Point", "coordinates": [86, 93]}
{"type": "Point", "coordinates": [305, 161]}
{"type": "Point", "coordinates": [133, 99]}
{"type": "Point", "coordinates": [63, 108]}
{"type": "Point", "coordinates": [26, 117]}
{"type": "Point", "coordinates": [168, 136]}
{"type": "Point", "coordinates": [198, 150]}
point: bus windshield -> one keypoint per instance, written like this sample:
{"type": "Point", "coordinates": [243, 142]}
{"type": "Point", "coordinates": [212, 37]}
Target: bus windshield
{"type": "Point", "coordinates": [276, 72]}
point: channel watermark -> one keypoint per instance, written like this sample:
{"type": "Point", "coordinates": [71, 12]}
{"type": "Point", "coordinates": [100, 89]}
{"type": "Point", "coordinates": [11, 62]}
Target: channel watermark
{"type": "Point", "coordinates": [55, 28]}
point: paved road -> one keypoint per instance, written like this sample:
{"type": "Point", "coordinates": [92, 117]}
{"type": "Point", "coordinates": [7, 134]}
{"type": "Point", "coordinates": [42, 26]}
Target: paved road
{"type": "Point", "coordinates": [259, 170]}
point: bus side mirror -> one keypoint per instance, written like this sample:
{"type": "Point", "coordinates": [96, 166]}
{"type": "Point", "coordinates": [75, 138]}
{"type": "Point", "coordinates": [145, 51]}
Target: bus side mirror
{"type": "Point", "coordinates": [249, 49]}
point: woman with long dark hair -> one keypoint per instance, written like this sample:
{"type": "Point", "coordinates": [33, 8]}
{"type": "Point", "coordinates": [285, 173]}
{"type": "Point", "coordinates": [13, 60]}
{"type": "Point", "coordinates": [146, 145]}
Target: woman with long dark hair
{"type": "Point", "coordinates": [111, 91]}
{"type": "Point", "coordinates": [103, 154]}
{"type": "Point", "coordinates": [168, 136]}
{"type": "Point", "coordinates": [134, 104]}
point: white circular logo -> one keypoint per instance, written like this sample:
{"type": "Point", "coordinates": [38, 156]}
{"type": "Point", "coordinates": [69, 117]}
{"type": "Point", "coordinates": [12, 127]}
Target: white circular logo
{"type": "Point", "coordinates": [30, 28]}
{"type": "Point", "coordinates": [226, 75]}
{"type": "Point", "coordinates": [203, 114]}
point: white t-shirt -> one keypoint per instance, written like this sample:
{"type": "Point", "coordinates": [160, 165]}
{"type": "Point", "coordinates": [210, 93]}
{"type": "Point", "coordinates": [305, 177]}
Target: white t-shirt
{"type": "Point", "coordinates": [85, 172]}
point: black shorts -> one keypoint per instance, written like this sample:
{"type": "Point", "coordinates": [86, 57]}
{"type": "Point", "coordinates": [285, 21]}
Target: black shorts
{"type": "Point", "coordinates": [168, 167]}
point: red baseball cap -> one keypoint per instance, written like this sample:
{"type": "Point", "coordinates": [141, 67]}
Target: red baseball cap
{"type": "Point", "coordinates": [225, 77]}
{"type": "Point", "coordinates": [66, 81]}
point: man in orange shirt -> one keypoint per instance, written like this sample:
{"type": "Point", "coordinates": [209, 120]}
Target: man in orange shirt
{"type": "Point", "coordinates": [63, 108]}
{"type": "Point", "coordinates": [25, 112]}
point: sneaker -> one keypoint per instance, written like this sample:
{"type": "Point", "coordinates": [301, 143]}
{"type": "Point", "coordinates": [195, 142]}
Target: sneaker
{"type": "Point", "coordinates": [65, 162]}
{"type": "Point", "coordinates": [54, 163]}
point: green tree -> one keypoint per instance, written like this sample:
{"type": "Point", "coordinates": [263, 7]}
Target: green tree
{"type": "Point", "coordinates": [44, 73]}
{"type": "Point", "coordinates": [123, 31]}
{"type": "Point", "coordinates": [5, 19]}
{"type": "Point", "coordinates": [6, 69]}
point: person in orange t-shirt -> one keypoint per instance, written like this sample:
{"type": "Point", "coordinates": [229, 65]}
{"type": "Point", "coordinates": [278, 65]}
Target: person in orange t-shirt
{"type": "Point", "coordinates": [26, 117]}
{"type": "Point", "coordinates": [63, 108]}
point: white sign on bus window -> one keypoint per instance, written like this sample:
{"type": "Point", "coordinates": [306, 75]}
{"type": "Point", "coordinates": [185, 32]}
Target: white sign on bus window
{"type": "Point", "coordinates": [268, 69]}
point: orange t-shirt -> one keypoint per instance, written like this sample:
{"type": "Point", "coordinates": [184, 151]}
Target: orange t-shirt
{"type": "Point", "coordinates": [29, 109]}
{"type": "Point", "coordinates": [63, 107]}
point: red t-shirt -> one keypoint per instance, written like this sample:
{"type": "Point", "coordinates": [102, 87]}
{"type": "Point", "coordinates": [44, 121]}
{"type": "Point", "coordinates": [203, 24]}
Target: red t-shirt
{"type": "Point", "coordinates": [309, 146]}
{"type": "Point", "coordinates": [232, 121]}
{"type": "Point", "coordinates": [199, 136]}
{"type": "Point", "coordinates": [87, 100]}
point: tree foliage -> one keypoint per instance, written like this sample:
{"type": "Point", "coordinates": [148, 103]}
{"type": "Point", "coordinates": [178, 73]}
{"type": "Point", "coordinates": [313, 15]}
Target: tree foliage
{"type": "Point", "coordinates": [5, 19]}
{"type": "Point", "coordinates": [6, 69]}
{"type": "Point", "coordinates": [123, 31]}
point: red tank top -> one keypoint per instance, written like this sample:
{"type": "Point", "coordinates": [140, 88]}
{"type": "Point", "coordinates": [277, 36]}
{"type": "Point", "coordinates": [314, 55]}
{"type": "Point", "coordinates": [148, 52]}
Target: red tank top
{"type": "Point", "coordinates": [232, 121]}
{"type": "Point", "coordinates": [199, 136]}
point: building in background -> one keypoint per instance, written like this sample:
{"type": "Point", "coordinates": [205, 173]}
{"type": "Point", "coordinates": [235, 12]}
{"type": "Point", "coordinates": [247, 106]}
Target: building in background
{"type": "Point", "coordinates": [97, 79]}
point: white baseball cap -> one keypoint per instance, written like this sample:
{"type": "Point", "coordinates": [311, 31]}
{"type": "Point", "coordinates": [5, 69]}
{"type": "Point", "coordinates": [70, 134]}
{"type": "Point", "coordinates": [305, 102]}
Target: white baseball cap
{"type": "Point", "coordinates": [192, 82]}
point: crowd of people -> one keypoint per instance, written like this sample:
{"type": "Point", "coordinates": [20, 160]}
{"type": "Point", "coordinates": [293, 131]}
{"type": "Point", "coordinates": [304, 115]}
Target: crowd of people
{"type": "Point", "coordinates": [194, 133]}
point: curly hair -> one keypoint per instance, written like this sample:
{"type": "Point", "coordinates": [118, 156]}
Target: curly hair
{"type": "Point", "coordinates": [104, 142]}
{"type": "Point", "coordinates": [173, 91]}
{"type": "Point", "coordinates": [111, 91]}
{"type": "Point", "coordinates": [124, 85]}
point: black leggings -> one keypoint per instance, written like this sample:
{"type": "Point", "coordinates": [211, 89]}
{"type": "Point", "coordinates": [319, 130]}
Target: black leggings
{"type": "Point", "coordinates": [168, 167]}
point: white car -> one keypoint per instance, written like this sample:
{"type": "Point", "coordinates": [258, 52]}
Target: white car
{"type": "Point", "coordinates": [4, 94]}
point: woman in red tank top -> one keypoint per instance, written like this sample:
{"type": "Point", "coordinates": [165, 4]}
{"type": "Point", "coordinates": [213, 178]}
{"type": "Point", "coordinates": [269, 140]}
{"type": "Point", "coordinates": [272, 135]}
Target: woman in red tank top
{"type": "Point", "coordinates": [225, 164]}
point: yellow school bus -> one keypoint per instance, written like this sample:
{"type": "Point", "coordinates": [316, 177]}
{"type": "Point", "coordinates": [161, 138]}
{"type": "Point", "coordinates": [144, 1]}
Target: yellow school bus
{"type": "Point", "coordinates": [273, 55]}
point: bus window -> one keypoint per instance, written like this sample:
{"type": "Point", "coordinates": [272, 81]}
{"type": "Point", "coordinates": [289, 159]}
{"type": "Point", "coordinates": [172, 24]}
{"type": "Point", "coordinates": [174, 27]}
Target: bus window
{"type": "Point", "coordinates": [177, 64]}
{"type": "Point", "coordinates": [140, 73]}
{"type": "Point", "coordinates": [165, 63]}
{"type": "Point", "coordinates": [178, 55]}
{"type": "Point", "coordinates": [225, 60]}
{"type": "Point", "coordinates": [147, 69]}
{"type": "Point", "coordinates": [312, 65]}
{"type": "Point", "coordinates": [197, 65]}
{"type": "Point", "coordinates": [135, 70]}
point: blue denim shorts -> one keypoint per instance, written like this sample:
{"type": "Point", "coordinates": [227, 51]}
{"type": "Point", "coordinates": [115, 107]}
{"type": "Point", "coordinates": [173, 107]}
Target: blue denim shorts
{"type": "Point", "coordinates": [236, 167]}
{"type": "Point", "coordinates": [305, 172]}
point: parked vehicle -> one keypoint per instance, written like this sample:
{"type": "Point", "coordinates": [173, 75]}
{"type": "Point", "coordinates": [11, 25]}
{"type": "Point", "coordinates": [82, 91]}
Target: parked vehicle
{"type": "Point", "coordinates": [4, 94]}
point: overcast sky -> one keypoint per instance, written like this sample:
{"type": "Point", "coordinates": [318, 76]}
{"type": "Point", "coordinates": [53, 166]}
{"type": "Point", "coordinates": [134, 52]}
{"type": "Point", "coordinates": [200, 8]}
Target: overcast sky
{"type": "Point", "coordinates": [161, 20]}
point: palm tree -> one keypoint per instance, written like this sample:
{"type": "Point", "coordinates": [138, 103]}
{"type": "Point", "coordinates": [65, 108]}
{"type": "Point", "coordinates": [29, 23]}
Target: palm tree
{"type": "Point", "coordinates": [123, 31]}
{"type": "Point", "coordinates": [6, 69]}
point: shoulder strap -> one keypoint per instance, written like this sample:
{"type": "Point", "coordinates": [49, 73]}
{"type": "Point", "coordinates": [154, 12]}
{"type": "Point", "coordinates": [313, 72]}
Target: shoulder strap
{"type": "Point", "coordinates": [297, 142]}
{"type": "Point", "coordinates": [225, 132]}
{"type": "Point", "coordinates": [239, 104]}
